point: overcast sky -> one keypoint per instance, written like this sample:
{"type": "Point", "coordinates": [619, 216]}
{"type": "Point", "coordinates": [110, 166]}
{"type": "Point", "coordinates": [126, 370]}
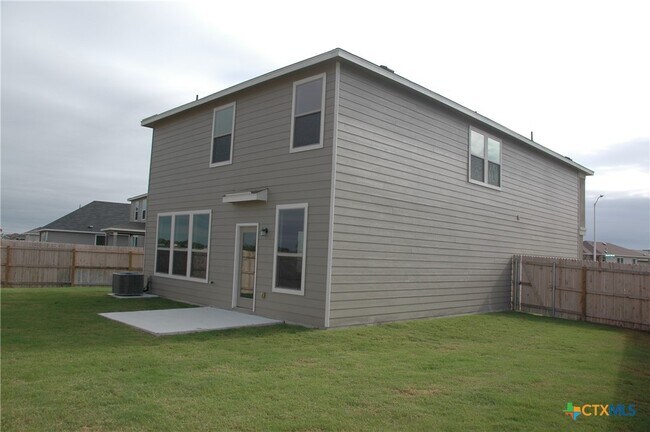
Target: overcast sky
{"type": "Point", "coordinates": [78, 77]}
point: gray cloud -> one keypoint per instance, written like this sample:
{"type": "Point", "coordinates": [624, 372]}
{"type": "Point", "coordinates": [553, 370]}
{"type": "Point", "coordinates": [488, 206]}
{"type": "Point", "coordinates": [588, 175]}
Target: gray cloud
{"type": "Point", "coordinates": [77, 78]}
{"type": "Point", "coordinates": [622, 221]}
{"type": "Point", "coordinates": [623, 217]}
{"type": "Point", "coordinates": [633, 154]}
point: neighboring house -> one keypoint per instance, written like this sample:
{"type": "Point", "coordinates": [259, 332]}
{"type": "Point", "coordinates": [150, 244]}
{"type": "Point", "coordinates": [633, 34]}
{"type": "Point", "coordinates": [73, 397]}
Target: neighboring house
{"type": "Point", "coordinates": [609, 252]}
{"type": "Point", "coordinates": [33, 235]}
{"type": "Point", "coordinates": [334, 192]}
{"type": "Point", "coordinates": [14, 236]}
{"type": "Point", "coordinates": [138, 208]}
{"type": "Point", "coordinates": [130, 233]}
{"type": "Point", "coordinates": [98, 223]}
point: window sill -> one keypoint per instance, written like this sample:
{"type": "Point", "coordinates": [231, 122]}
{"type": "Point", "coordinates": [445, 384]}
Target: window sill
{"type": "Point", "coordinates": [218, 164]}
{"type": "Point", "coordinates": [487, 185]}
{"type": "Point", "coordinates": [305, 148]}
{"type": "Point", "coordinates": [185, 278]}
{"type": "Point", "coordinates": [288, 291]}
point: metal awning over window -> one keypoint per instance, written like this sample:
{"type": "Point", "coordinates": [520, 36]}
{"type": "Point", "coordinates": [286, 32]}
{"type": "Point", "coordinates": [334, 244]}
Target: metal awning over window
{"type": "Point", "coordinates": [260, 195]}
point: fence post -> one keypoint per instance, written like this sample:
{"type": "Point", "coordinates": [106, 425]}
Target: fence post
{"type": "Point", "coordinates": [73, 266]}
{"type": "Point", "coordinates": [554, 283]}
{"type": "Point", "coordinates": [520, 271]}
{"type": "Point", "coordinates": [8, 267]}
{"type": "Point", "coordinates": [512, 283]}
{"type": "Point", "coordinates": [130, 260]}
{"type": "Point", "coordinates": [583, 294]}
{"type": "Point", "coordinates": [516, 282]}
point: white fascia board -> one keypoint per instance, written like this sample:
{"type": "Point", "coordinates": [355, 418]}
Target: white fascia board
{"type": "Point", "coordinates": [458, 107]}
{"type": "Point", "coordinates": [124, 230]}
{"type": "Point", "coordinates": [344, 55]}
{"type": "Point", "coordinates": [68, 231]}
{"type": "Point", "coordinates": [244, 85]}
{"type": "Point", "coordinates": [246, 196]}
{"type": "Point", "coordinates": [137, 197]}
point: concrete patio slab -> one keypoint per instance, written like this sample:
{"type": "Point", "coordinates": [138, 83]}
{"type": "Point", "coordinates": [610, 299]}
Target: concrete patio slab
{"type": "Point", "coordinates": [187, 320]}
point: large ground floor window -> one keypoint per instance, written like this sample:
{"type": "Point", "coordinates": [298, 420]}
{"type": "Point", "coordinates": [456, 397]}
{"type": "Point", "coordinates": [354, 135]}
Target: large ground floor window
{"type": "Point", "coordinates": [290, 247]}
{"type": "Point", "coordinates": [182, 244]}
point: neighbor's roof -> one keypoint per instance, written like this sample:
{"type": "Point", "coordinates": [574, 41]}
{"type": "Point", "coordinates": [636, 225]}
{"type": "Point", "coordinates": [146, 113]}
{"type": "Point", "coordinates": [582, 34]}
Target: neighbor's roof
{"type": "Point", "coordinates": [610, 248]}
{"type": "Point", "coordinates": [343, 55]}
{"type": "Point", "coordinates": [92, 217]}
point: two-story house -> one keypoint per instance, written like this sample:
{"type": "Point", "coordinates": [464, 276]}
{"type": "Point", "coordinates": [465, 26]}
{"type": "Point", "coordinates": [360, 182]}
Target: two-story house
{"type": "Point", "coordinates": [129, 233]}
{"type": "Point", "coordinates": [334, 192]}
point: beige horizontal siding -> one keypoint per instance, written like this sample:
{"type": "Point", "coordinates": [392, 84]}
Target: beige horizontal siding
{"type": "Point", "coordinates": [181, 179]}
{"type": "Point", "coordinates": [413, 238]}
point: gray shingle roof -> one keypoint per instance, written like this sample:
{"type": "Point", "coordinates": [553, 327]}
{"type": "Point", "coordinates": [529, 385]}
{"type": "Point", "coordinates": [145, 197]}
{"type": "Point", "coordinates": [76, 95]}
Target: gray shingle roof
{"type": "Point", "coordinates": [92, 217]}
{"type": "Point", "coordinates": [611, 248]}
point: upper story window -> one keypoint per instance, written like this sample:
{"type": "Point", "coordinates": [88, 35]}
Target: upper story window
{"type": "Point", "coordinates": [223, 128]}
{"type": "Point", "coordinates": [139, 209]}
{"type": "Point", "coordinates": [308, 113]}
{"type": "Point", "coordinates": [144, 209]}
{"type": "Point", "coordinates": [484, 159]}
{"type": "Point", "coordinates": [176, 255]}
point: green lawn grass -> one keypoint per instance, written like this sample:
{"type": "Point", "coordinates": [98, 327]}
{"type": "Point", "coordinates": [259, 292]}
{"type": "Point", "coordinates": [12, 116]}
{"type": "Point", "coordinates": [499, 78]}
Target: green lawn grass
{"type": "Point", "coordinates": [66, 368]}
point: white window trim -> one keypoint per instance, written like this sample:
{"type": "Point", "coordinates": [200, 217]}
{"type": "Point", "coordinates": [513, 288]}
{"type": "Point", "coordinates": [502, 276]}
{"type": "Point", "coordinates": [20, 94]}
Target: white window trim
{"type": "Point", "coordinates": [279, 207]}
{"type": "Point", "coordinates": [485, 159]}
{"type": "Point", "coordinates": [318, 145]}
{"type": "Point", "coordinates": [232, 133]}
{"type": "Point", "coordinates": [237, 261]}
{"type": "Point", "coordinates": [189, 250]}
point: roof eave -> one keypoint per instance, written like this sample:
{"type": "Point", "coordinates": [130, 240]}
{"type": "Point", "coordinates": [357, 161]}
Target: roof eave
{"type": "Point", "coordinates": [458, 107]}
{"type": "Point", "coordinates": [125, 230]}
{"type": "Point", "coordinates": [149, 121]}
{"type": "Point", "coordinates": [68, 231]}
{"type": "Point", "coordinates": [339, 53]}
{"type": "Point", "coordinates": [137, 197]}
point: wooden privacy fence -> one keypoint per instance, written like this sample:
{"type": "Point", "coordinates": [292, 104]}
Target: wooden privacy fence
{"type": "Point", "coordinates": [61, 264]}
{"type": "Point", "coordinates": [606, 293]}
